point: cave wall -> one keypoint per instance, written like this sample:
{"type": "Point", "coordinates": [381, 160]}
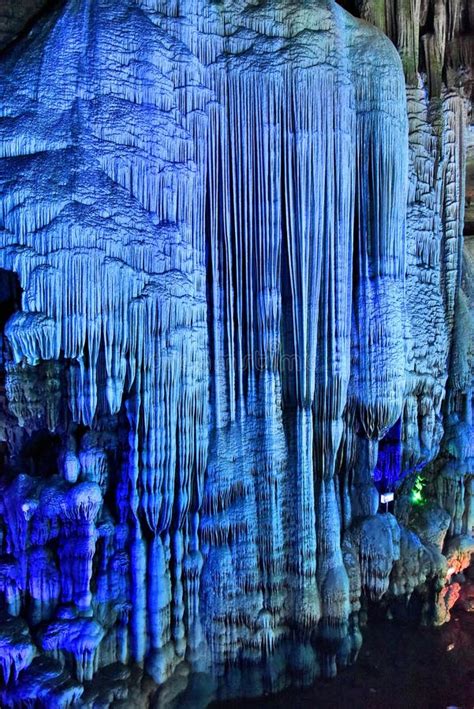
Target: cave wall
{"type": "Point", "coordinates": [237, 309]}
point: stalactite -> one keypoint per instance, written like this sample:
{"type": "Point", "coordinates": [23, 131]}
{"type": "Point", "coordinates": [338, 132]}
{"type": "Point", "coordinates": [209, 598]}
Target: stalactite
{"type": "Point", "coordinates": [236, 234]}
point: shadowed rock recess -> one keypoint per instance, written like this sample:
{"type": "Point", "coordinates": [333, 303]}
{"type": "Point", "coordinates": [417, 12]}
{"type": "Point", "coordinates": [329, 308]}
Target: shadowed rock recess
{"type": "Point", "coordinates": [235, 309]}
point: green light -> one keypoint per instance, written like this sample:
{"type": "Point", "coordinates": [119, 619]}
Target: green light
{"type": "Point", "coordinates": [416, 496]}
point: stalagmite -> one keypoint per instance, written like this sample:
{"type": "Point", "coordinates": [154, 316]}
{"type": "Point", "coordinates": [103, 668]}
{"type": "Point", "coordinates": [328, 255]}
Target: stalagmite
{"type": "Point", "coordinates": [230, 262]}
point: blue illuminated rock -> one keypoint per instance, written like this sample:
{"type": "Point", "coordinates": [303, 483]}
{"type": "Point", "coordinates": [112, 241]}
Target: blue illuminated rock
{"type": "Point", "coordinates": [236, 317]}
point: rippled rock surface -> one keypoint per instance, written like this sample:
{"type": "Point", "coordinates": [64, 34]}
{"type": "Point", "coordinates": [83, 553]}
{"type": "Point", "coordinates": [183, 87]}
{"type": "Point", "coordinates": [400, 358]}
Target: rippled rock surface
{"type": "Point", "coordinates": [234, 312]}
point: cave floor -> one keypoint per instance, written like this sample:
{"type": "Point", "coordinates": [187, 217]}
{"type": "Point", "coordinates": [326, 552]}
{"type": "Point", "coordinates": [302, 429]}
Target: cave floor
{"type": "Point", "coordinates": [398, 667]}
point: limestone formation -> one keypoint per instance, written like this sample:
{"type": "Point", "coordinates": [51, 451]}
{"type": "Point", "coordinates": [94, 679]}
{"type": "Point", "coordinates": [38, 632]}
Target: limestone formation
{"type": "Point", "coordinates": [235, 310]}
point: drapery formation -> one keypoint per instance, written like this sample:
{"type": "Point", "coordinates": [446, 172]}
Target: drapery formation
{"type": "Point", "coordinates": [205, 206]}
